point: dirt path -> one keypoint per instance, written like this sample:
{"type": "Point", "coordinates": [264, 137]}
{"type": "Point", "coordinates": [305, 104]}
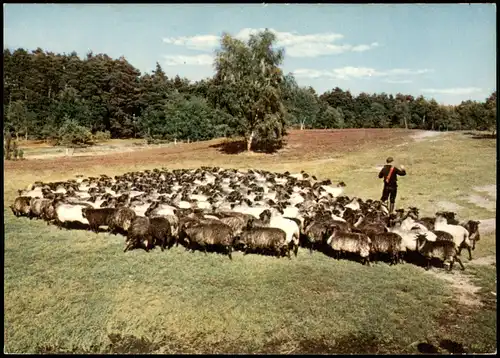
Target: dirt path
{"type": "Point", "coordinates": [423, 135]}
{"type": "Point", "coordinates": [466, 290]}
{"type": "Point", "coordinates": [54, 152]}
{"type": "Point", "coordinates": [486, 260]}
{"type": "Point", "coordinates": [487, 225]}
{"type": "Point", "coordinates": [449, 206]}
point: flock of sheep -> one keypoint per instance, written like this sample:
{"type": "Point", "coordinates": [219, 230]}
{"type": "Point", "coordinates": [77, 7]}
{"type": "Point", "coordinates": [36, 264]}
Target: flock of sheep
{"type": "Point", "coordinates": [252, 211]}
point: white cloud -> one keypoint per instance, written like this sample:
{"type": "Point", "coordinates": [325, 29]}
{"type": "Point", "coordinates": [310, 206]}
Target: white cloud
{"type": "Point", "coordinates": [296, 45]}
{"type": "Point", "coordinates": [406, 71]}
{"type": "Point", "coordinates": [398, 81]}
{"type": "Point", "coordinates": [310, 73]}
{"type": "Point", "coordinates": [200, 42]}
{"type": "Point", "coordinates": [348, 72]}
{"type": "Point", "coordinates": [197, 60]}
{"type": "Point", "coordinates": [453, 91]}
{"type": "Point", "coordinates": [355, 72]}
{"type": "Point", "coordinates": [362, 48]}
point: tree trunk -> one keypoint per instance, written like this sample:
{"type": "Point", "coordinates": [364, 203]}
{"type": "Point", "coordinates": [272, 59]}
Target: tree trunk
{"type": "Point", "coordinates": [302, 125]}
{"type": "Point", "coordinates": [249, 141]}
{"type": "Point", "coordinates": [7, 150]}
{"type": "Point", "coordinates": [406, 122]}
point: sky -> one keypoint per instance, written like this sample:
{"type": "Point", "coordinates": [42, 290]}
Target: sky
{"type": "Point", "coordinates": [446, 52]}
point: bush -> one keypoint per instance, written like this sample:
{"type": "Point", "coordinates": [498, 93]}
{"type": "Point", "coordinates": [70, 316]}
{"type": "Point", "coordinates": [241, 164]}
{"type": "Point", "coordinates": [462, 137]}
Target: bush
{"type": "Point", "coordinates": [72, 134]}
{"type": "Point", "coordinates": [184, 119]}
{"type": "Point", "coordinates": [101, 136]}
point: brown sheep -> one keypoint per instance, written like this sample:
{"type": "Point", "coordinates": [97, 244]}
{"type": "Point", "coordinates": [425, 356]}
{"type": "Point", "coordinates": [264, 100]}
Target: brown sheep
{"type": "Point", "coordinates": [472, 227]}
{"type": "Point", "coordinates": [161, 232]}
{"type": "Point", "coordinates": [263, 239]}
{"type": "Point", "coordinates": [21, 206]}
{"type": "Point", "coordinates": [386, 243]}
{"type": "Point", "coordinates": [139, 234]}
{"type": "Point", "coordinates": [317, 233]}
{"type": "Point", "coordinates": [442, 249]}
{"type": "Point", "coordinates": [38, 205]}
{"type": "Point", "coordinates": [210, 234]}
{"type": "Point", "coordinates": [121, 220]}
{"type": "Point", "coordinates": [341, 241]}
{"type": "Point", "coordinates": [237, 224]}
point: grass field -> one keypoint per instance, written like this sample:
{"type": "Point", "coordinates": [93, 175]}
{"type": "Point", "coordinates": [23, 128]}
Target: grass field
{"type": "Point", "coordinates": [76, 291]}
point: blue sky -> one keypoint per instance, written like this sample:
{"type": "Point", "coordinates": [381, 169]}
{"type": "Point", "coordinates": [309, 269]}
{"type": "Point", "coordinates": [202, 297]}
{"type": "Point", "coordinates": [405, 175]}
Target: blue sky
{"type": "Point", "coordinates": [447, 52]}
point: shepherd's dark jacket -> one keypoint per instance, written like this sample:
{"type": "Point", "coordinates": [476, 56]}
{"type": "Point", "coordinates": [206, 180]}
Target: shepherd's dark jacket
{"type": "Point", "coordinates": [393, 180]}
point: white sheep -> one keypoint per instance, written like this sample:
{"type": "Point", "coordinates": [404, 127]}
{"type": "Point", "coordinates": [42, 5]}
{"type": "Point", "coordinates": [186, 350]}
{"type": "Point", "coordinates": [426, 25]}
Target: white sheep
{"type": "Point", "coordinates": [35, 193]}
{"type": "Point", "coordinates": [354, 204]}
{"type": "Point", "coordinates": [69, 213]}
{"type": "Point", "coordinates": [140, 209]}
{"type": "Point", "coordinates": [409, 223]}
{"type": "Point", "coordinates": [290, 227]}
{"type": "Point", "coordinates": [205, 205]}
{"type": "Point", "coordinates": [460, 234]}
{"type": "Point", "coordinates": [334, 191]}
{"type": "Point", "coordinates": [409, 238]}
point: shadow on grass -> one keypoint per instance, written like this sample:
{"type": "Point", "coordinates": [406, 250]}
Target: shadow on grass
{"type": "Point", "coordinates": [126, 344]}
{"type": "Point", "coordinates": [240, 146]}
{"type": "Point", "coordinates": [412, 258]}
{"type": "Point", "coordinates": [350, 344]}
{"type": "Point", "coordinates": [448, 345]}
{"type": "Point", "coordinates": [481, 135]}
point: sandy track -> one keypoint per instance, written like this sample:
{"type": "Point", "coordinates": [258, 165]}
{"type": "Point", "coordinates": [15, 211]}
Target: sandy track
{"type": "Point", "coordinates": [303, 145]}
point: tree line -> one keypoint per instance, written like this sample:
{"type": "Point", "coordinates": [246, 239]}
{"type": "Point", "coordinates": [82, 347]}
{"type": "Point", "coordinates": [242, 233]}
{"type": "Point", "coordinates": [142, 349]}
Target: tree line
{"type": "Point", "coordinates": [69, 100]}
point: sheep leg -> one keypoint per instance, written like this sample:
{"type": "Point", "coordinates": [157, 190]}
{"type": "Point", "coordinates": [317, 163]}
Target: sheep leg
{"type": "Point", "coordinates": [451, 265]}
{"type": "Point", "coordinates": [127, 247]}
{"type": "Point", "coordinates": [428, 264]}
{"type": "Point", "coordinates": [288, 253]}
{"type": "Point", "coordinates": [460, 262]}
{"type": "Point", "coordinates": [229, 251]}
{"type": "Point", "coordinates": [470, 252]}
{"type": "Point", "coordinates": [296, 249]}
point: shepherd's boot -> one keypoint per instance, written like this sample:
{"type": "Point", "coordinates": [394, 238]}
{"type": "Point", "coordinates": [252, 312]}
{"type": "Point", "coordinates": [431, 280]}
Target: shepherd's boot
{"type": "Point", "coordinates": [391, 208]}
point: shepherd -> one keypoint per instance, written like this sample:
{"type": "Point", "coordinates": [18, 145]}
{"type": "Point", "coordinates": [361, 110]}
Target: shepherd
{"type": "Point", "coordinates": [390, 174]}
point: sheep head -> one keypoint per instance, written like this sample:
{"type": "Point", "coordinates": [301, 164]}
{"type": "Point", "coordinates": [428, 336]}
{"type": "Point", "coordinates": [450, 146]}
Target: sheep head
{"type": "Point", "coordinates": [421, 240]}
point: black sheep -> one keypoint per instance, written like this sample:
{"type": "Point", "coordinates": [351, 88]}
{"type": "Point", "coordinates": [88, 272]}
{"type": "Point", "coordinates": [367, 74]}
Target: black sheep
{"type": "Point", "coordinates": [98, 217]}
